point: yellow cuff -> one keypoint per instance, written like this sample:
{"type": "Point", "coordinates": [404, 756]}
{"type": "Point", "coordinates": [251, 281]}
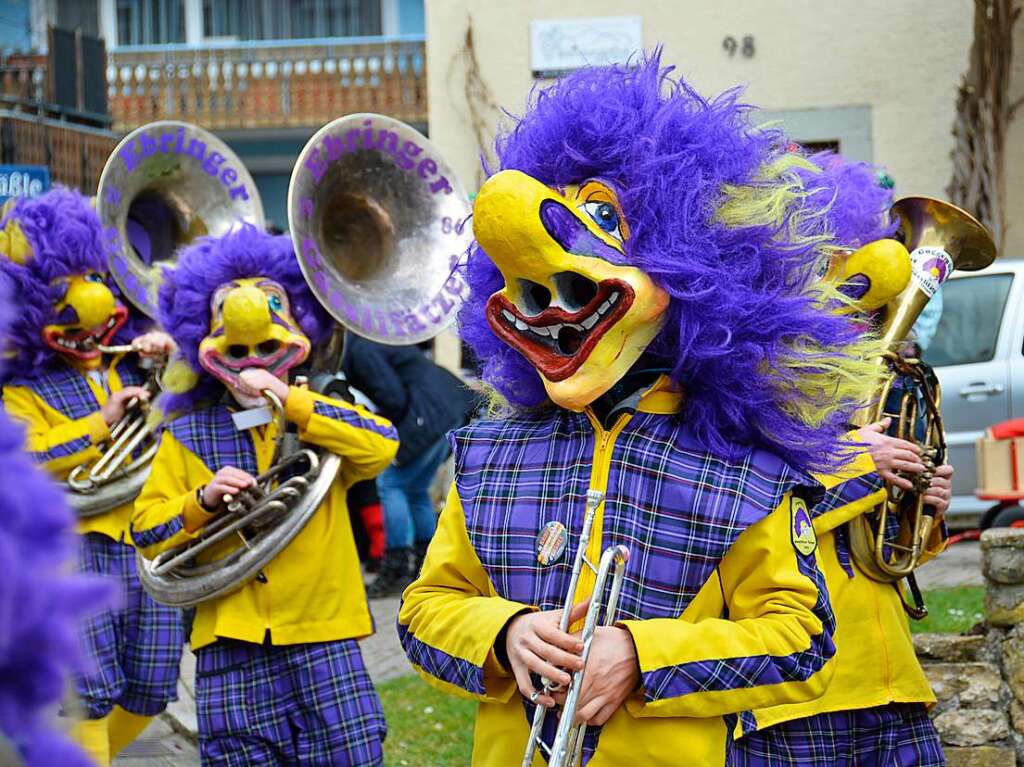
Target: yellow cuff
{"type": "Point", "coordinates": [299, 406]}
{"type": "Point", "coordinates": [98, 429]}
{"type": "Point", "coordinates": [195, 516]}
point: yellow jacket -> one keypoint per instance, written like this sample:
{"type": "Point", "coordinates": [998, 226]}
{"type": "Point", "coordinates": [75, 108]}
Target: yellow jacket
{"type": "Point", "coordinates": [61, 410]}
{"type": "Point", "coordinates": [875, 663]}
{"type": "Point", "coordinates": [313, 590]}
{"type": "Point", "coordinates": [755, 632]}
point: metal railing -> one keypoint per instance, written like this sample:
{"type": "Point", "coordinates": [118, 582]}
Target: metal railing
{"type": "Point", "coordinates": [268, 84]}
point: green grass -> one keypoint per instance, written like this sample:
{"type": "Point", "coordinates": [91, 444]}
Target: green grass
{"type": "Point", "coordinates": [951, 611]}
{"type": "Point", "coordinates": [426, 728]}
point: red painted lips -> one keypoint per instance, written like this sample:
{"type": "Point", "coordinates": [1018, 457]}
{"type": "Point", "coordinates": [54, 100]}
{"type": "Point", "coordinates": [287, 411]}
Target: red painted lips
{"type": "Point", "coordinates": [555, 341]}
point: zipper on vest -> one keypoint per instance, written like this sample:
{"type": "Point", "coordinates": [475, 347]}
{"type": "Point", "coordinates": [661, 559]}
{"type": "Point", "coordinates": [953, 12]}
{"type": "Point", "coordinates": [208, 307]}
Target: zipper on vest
{"type": "Point", "coordinates": [604, 444]}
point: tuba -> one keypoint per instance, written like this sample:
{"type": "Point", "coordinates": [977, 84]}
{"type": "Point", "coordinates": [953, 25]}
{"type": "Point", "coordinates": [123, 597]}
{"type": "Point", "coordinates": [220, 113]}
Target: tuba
{"type": "Point", "coordinates": [887, 542]}
{"type": "Point", "coordinates": [380, 225]}
{"type": "Point", "coordinates": [156, 194]}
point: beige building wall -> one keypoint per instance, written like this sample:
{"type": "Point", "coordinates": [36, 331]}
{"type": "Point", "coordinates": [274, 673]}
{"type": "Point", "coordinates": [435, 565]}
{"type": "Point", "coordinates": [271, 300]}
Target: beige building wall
{"type": "Point", "coordinates": [894, 66]}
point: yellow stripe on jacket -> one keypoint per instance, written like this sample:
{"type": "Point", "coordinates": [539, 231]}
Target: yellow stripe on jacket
{"type": "Point", "coordinates": [314, 588]}
{"type": "Point", "coordinates": [455, 615]}
{"type": "Point", "coordinates": [60, 443]}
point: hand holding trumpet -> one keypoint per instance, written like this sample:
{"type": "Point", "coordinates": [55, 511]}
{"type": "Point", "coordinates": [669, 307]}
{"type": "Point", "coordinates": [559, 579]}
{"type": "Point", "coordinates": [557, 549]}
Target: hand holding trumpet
{"type": "Point", "coordinates": [534, 643]}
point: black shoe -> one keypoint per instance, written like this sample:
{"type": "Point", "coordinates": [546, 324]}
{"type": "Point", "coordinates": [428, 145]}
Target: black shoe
{"type": "Point", "coordinates": [394, 575]}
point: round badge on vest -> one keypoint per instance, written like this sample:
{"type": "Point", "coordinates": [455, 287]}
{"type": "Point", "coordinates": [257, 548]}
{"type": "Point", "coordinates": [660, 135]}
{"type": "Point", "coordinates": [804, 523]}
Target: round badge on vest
{"type": "Point", "coordinates": [551, 543]}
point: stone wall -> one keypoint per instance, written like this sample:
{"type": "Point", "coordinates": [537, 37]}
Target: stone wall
{"type": "Point", "coordinates": [979, 679]}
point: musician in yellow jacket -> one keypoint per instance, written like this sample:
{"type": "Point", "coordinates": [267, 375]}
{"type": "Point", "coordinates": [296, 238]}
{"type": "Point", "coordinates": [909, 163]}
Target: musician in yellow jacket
{"type": "Point", "coordinates": [640, 298]}
{"type": "Point", "coordinates": [279, 676]}
{"type": "Point", "coordinates": [874, 712]}
{"type": "Point", "coordinates": [69, 394]}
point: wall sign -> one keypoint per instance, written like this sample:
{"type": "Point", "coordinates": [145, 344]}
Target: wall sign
{"type": "Point", "coordinates": [23, 181]}
{"type": "Point", "coordinates": [558, 46]}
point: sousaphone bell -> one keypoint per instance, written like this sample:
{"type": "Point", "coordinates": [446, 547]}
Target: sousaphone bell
{"type": "Point", "coordinates": [380, 225]}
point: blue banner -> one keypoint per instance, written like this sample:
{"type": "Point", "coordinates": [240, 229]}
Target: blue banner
{"type": "Point", "coordinates": [23, 181]}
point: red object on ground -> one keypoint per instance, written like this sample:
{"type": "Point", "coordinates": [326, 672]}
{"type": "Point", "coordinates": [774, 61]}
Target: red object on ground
{"type": "Point", "coordinates": [373, 522]}
{"type": "Point", "coordinates": [966, 535]}
{"type": "Point", "coordinates": [1008, 429]}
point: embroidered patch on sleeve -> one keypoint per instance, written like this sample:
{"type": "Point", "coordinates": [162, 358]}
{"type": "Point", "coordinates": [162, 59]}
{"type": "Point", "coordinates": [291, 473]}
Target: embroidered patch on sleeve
{"type": "Point", "coordinates": [801, 529]}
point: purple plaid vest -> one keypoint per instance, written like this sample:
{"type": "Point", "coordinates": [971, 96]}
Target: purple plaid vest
{"type": "Point", "coordinates": [66, 390]}
{"type": "Point", "coordinates": [211, 435]}
{"type": "Point", "coordinates": [675, 506]}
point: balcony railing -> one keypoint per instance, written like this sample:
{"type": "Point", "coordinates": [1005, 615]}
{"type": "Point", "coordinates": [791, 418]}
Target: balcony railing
{"type": "Point", "coordinates": [36, 131]}
{"type": "Point", "coordinates": [268, 84]}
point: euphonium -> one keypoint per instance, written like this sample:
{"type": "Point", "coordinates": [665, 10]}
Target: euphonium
{"type": "Point", "coordinates": [566, 748]}
{"type": "Point", "coordinates": [379, 225]}
{"type": "Point", "coordinates": [887, 542]}
{"type": "Point", "coordinates": [154, 197]}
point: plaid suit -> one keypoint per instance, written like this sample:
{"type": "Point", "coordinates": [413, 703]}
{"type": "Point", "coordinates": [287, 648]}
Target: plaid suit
{"type": "Point", "coordinates": [702, 530]}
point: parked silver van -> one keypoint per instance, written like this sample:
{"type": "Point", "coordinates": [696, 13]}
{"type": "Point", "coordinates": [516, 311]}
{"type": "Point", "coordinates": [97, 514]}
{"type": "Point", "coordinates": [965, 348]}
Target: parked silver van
{"type": "Point", "coordinates": [978, 354]}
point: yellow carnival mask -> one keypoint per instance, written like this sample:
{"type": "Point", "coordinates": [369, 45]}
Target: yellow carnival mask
{"type": "Point", "coordinates": [572, 305]}
{"type": "Point", "coordinates": [88, 316]}
{"type": "Point", "coordinates": [251, 326]}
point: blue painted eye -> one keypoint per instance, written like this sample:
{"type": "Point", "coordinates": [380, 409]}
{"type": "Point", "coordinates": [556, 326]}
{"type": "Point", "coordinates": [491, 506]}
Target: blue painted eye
{"type": "Point", "coordinates": [605, 216]}
{"type": "Point", "coordinates": [275, 303]}
{"type": "Point", "coordinates": [93, 277]}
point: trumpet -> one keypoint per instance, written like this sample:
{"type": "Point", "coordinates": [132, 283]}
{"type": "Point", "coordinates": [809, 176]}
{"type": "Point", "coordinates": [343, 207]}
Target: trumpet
{"type": "Point", "coordinates": [566, 748]}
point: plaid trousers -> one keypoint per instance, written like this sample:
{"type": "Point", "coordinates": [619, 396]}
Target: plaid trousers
{"type": "Point", "coordinates": [306, 704]}
{"type": "Point", "coordinates": [895, 735]}
{"type": "Point", "coordinates": [134, 650]}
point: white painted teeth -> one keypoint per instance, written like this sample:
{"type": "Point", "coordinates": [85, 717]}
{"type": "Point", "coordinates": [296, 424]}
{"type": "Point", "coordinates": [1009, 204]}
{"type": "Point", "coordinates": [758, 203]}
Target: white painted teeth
{"type": "Point", "coordinates": [111, 321]}
{"type": "Point", "coordinates": [552, 331]}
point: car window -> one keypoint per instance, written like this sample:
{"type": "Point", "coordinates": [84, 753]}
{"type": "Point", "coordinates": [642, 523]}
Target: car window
{"type": "Point", "coordinates": [972, 311]}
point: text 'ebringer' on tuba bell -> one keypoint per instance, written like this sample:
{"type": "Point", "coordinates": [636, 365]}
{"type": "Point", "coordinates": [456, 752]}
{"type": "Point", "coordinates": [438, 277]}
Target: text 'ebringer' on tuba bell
{"type": "Point", "coordinates": [380, 225]}
{"type": "Point", "coordinates": [165, 184]}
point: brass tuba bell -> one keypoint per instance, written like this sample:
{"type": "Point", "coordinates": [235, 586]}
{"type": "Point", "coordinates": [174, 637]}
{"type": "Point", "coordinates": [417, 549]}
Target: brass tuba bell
{"type": "Point", "coordinates": [888, 541]}
{"type": "Point", "coordinates": [165, 184]}
{"type": "Point", "coordinates": [379, 224]}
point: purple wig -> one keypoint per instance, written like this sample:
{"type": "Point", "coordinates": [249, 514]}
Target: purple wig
{"type": "Point", "coordinates": [41, 604]}
{"type": "Point", "coordinates": [743, 325]}
{"type": "Point", "coordinates": [859, 208]}
{"type": "Point", "coordinates": [66, 238]}
{"type": "Point", "coordinates": [185, 295]}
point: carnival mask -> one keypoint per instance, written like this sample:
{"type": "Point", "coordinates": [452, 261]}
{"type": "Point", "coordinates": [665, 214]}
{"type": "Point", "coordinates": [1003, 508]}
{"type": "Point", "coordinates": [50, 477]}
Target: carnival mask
{"type": "Point", "coordinates": [251, 326]}
{"type": "Point", "coordinates": [572, 304]}
{"type": "Point", "coordinates": [88, 316]}
{"type": "Point", "coordinates": [873, 274]}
